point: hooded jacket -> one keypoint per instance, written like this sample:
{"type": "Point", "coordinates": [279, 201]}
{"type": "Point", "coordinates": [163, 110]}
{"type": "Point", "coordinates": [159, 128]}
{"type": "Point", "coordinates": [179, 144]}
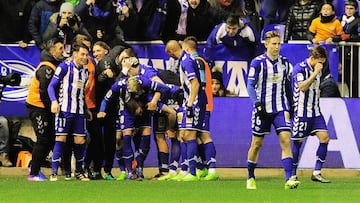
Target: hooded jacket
{"type": "Point", "coordinates": [38, 95]}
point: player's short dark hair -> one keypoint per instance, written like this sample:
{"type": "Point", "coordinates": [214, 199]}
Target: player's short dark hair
{"type": "Point", "coordinates": [318, 52]}
{"type": "Point", "coordinates": [132, 105]}
{"type": "Point", "coordinates": [191, 41]}
{"type": "Point", "coordinates": [80, 38]}
{"type": "Point", "coordinates": [76, 47]}
{"type": "Point", "coordinates": [51, 43]}
{"type": "Point", "coordinates": [130, 52]}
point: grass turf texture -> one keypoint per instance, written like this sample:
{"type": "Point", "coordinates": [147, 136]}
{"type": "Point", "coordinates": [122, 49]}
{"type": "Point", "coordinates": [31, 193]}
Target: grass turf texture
{"type": "Point", "coordinates": [270, 189]}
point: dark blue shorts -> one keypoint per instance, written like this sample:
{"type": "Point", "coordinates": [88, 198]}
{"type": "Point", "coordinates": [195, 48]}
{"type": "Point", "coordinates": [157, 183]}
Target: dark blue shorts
{"type": "Point", "coordinates": [70, 124]}
{"type": "Point", "coordinates": [304, 127]}
{"type": "Point", "coordinates": [262, 126]}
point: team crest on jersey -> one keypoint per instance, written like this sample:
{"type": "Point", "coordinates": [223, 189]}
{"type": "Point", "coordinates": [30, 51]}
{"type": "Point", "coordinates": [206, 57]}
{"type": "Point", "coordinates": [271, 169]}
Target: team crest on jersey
{"type": "Point", "coordinates": [109, 93]}
{"type": "Point", "coordinates": [252, 71]}
{"type": "Point", "coordinates": [58, 70]}
{"type": "Point", "coordinates": [299, 77]}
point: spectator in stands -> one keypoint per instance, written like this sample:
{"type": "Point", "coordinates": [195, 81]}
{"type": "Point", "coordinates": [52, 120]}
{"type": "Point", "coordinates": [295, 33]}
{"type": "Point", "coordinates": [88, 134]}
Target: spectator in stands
{"type": "Point", "coordinates": [38, 105]}
{"type": "Point", "coordinates": [141, 20]}
{"type": "Point", "coordinates": [251, 9]}
{"type": "Point", "coordinates": [14, 17]}
{"type": "Point", "coordinates": [4, 142]}
{"type": "Point", "coordinates": [300, 16]}
{"type": "Point", "coordinates": [65, 24]}
{"type": "Point", "coordinates": [276, 11]}
{"type": "Point", "coordinates": [191, 17]}
{"type": "Point", "coordinates": [40, 18]}
{"type": "Point", "coordinates": [350, 22]}
{"type": "Point", "coordinates": [218, 87]}
{"type": "Point", "coordinates": [323, 28]}
{"type": "Point", "coordinates": [351, 25]}
{"type": "Point", "coordinates": [231, 6]}
{"type": "Point", "coordinates": [239, 38]}
{"type": "Point", "coordinates": [321, 31]}
{"type": "Point", "coordinates": [100, 20]}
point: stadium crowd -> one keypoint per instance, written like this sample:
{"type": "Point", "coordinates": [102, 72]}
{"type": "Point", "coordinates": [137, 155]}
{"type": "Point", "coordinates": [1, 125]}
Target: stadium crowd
{"type": "Point", "coordinates": [91, 93]}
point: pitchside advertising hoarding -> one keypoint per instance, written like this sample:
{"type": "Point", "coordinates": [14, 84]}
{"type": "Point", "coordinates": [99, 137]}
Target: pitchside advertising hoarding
{"type": "Point", "coordinates": [231, 118]}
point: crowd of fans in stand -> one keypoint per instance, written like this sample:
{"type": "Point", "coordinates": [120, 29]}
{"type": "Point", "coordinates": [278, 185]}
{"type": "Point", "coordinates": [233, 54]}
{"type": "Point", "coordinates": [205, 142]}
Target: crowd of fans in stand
{"type": "Point", "coordinates": [115, 21]}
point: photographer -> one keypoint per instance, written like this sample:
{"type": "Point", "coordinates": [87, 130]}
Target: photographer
{"type": "Point", "coordinates": [65, 25]}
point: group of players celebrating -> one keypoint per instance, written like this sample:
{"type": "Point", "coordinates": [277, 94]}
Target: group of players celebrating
{"type": "Point", "coordinates": [134, 100]}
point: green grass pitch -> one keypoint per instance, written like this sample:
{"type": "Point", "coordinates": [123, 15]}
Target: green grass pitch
{"type": "Point", "coordinates": [269, 189]}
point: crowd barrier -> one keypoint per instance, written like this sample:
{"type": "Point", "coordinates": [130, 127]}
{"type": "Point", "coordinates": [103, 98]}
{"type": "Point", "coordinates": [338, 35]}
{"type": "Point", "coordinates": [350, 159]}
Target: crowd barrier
{"type": "Point", "coordinates": [230, 128]}
{"type": "Point", "coordinates": [349, 58]}
{"type": "Point", "coordinates": [230, 122]}
{"type": "Point", "coordinates": [23, 61]}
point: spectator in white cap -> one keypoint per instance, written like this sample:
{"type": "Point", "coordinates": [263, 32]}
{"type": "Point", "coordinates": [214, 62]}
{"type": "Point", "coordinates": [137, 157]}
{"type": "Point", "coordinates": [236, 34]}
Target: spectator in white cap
{"type": "Point", "coordinates": [65, 25]}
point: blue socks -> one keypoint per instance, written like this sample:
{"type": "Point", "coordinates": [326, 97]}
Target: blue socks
{"type": "Point", "coordinates": [321, 156]}
{"type": "Point", "coordinates": [287, 164]}
{"type": "Point", "coordinates": [192, 152]}
{"type": "Point", "coordinates": [57, 153]}
{"type": "Point", "coordinates": [175, 154]}
{"type": "Point", "coordinates": [295, 151]}
{"type": "Point", "coordinates": [251, 169]}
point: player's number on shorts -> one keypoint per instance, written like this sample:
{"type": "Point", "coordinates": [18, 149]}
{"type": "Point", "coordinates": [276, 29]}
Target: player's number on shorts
{"type": "Point", "coordinates": [302, 126]}
{"type": "Point", "coordinates": [258, 121]}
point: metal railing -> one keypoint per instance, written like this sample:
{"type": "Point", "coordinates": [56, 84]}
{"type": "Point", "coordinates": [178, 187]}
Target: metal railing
{"type": "Point", "coordinates": [349, 59]}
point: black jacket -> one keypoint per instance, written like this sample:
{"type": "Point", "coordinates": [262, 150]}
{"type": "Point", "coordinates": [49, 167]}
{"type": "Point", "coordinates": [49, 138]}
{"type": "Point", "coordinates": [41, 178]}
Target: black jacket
{"type": "Point", "coordinates": [108, 25]}
{"type": "Point", "coordinates": [200, 21]}
{"type": "Point", "coordinates": [299, 20]}
{"type": "Point", "coordinates": [103, 83]}
{"type": "Point", "coordinates": [54, 31]}
{"type": "Point", "coordinates": [40, 18]}
{"type": "Point", "coordinates": [14, 16]}
{"type": "Point", "coordinates": [44, 75]}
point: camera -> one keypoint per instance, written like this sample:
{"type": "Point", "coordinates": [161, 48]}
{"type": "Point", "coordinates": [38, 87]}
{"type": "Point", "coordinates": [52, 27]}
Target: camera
{"type": "Point", "coordinates": [12, 79]}
{"type": "Point", "coordinates": [72, 20]}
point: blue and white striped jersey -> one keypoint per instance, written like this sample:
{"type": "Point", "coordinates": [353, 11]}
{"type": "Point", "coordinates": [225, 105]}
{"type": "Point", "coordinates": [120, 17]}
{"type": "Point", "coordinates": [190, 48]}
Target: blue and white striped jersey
{"type": "Point", "coordinates": [189, 70]}
{"type": "Point", "coordinates": [120, 90]}
{"type": "Point", "coordinates": [306, 103]}
{"type": "Point", "coordinates": [72, 82]}
{"type": "Point", "coordinates": [148, 71]}
{"type": "Point", "coordinates": [269, 82]}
